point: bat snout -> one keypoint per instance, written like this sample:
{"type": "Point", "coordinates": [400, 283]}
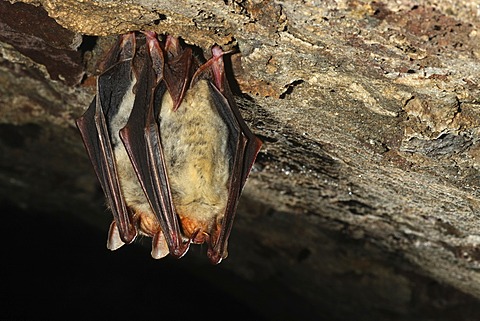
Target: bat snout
{"type": "Point", "coordinates": [196, 231]}
{"type": "Point", "coordinates": [147, 223]}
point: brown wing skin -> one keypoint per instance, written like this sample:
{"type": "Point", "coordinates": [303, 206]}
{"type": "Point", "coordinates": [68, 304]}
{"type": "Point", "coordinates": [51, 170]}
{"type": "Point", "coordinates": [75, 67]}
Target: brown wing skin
{"type": "Point", "coordinates": [244, 147]}
{"type": "Point", "coordinates": [93, 125]}
{"type": "Point", "coordinates": [169, 69]}
{"type": "Point", "coordinates": [142, 141]}
{"type": "Point", "coordinates": [214, 71]}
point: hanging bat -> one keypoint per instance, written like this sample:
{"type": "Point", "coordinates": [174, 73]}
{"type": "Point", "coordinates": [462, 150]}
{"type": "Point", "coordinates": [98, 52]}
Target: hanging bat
{"type": "Point", "coordinates": [169, 146]}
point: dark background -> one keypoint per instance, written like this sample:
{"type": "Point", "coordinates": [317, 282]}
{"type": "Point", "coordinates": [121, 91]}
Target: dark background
{"type": "Point", "coordinates": [57, 268]}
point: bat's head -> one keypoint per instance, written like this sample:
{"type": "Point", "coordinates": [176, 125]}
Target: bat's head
{"type": "Point", "coordinates": [198, 231]}
{"type": "Point", "coordinates": [201, 232]}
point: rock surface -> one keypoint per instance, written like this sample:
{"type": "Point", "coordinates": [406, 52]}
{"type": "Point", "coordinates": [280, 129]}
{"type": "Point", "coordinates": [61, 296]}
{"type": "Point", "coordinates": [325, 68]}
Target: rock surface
{"type": "Point", "coordinates": [365, 197]}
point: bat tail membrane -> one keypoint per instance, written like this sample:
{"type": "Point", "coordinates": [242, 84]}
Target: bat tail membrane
{"type": "Point", "coordinates": [177, 73]}
{"type": "Point", "coordinates": [124, 49]}
{"type": "Point", "coordinates": [156, 54]}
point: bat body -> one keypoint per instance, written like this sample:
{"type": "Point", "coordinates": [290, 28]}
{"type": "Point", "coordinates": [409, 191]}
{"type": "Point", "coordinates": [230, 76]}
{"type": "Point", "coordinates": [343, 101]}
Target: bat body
{"type": "Point", "coordinates": [168, 145]}
{"type": "Point", "coordinates": [197, 164]}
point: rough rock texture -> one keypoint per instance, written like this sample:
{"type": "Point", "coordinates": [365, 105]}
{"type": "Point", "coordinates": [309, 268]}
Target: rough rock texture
{"type": "Point", "coordinates": [364, 202]}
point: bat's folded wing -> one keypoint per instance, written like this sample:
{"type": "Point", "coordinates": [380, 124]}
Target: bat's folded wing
{"type": "Point", "coordinates": [112, 88]}
{"type": "Point", "coordinates": [142, 141]}
{"type": "Point", "coordinates": [97, 141]}
{"type": "Point", "coordinates": [243, 146]}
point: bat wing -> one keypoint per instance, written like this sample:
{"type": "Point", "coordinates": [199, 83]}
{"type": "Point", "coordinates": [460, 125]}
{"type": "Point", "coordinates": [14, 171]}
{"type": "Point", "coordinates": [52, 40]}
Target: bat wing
{"type": "Point", "coordinates": [243, 145]}
{"type": "Point", "coordinates": [141, 138]}
{"type": "Point", "coordinates": [112, 85]}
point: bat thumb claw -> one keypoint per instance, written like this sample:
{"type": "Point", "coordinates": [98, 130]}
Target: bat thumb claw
{"type": "Point", "coordinates": [181, 251]}
{"type": "Point", "coordinates": [214, 256]}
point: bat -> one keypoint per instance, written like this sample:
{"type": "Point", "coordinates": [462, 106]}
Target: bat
{"type": "Point", "coordinates": [168, 145]}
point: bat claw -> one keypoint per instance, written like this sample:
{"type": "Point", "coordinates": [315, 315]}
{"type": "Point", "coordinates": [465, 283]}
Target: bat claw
{"type": "Point", "coordinates": [214, 255]}
{"type": "Point", "coordinates": [180, 252]}
{"type": "Point", "coordinates": [184, 247]}
{"type": "Point", "coordinates": [193, 237]}
{"type": "Point", "coordinates": [215, 67]}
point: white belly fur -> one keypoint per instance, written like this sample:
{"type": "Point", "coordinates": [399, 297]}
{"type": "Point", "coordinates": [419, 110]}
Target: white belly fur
{"type": "Point", "coordinates": [132, 191]}
{"type": "Point", "coordinates": [194, 140]}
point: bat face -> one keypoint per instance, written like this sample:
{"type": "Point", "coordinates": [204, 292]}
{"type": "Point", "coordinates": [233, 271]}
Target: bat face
{"type": "Point", "coordinates": [168, 145]}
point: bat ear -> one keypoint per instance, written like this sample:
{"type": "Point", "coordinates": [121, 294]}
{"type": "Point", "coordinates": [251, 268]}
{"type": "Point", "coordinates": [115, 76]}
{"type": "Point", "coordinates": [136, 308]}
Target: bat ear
{"type": "Point", "coordinates": [159, 246]}
{"type": "Point", "coordinates": [114, 241]}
